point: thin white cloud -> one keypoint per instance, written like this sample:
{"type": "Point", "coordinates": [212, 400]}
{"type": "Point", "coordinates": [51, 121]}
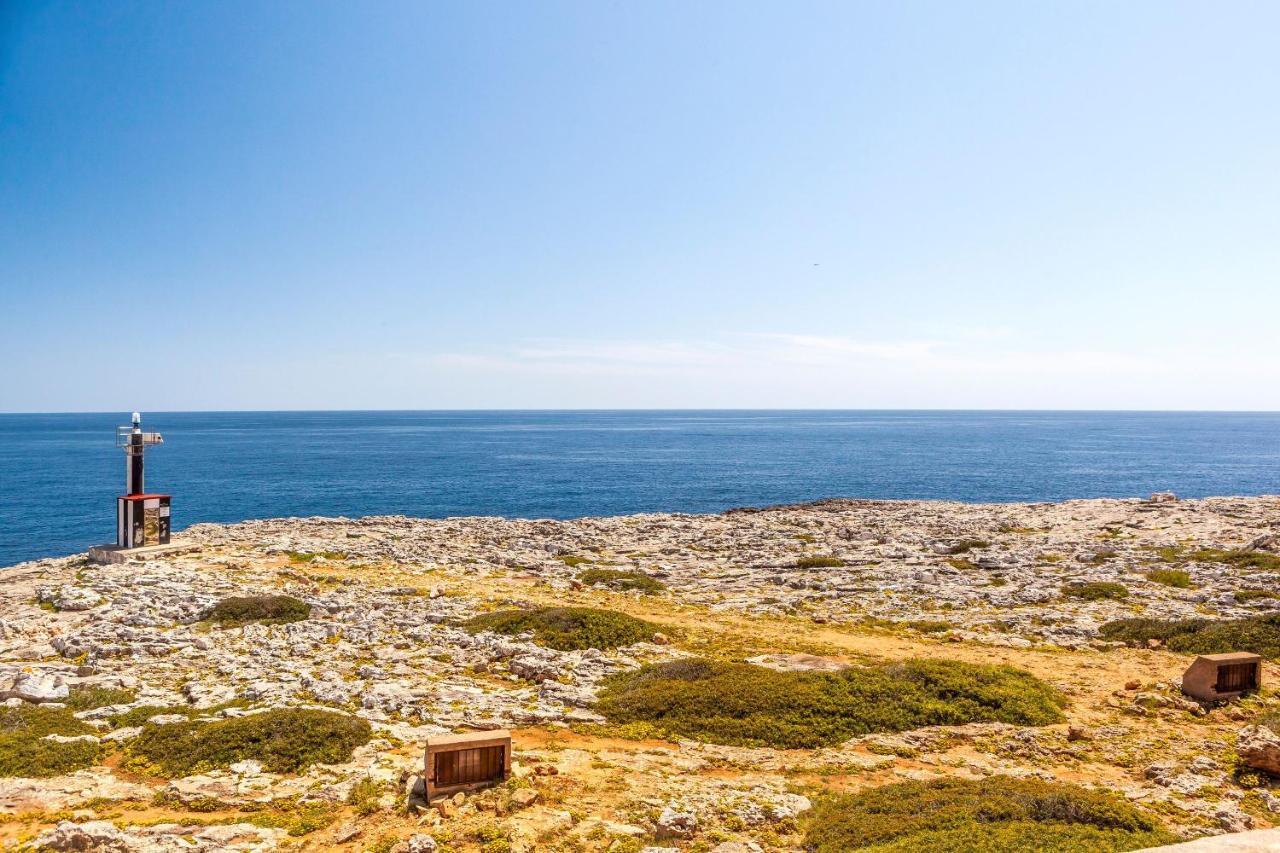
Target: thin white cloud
{"type": "Point", "coordinates": [781, 369]}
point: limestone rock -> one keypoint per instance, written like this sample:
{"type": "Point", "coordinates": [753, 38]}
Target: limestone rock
{"type": "Point", "coordinates": [39, 687]}
{"type": "Point", "coordinates": [70, 598]}
{"type": "Point", "coordinates": [419, 843]}
{"type": "Point", "coordinates": [1259, 747]}
{"type": "Point", "coordinates": [676, 824]}
{"type": "Point", "coordinates": [95, 835]}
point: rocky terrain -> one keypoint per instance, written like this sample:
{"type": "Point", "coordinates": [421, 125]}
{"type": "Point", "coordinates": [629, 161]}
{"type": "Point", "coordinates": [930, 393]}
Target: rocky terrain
{"type": "Point", "coordinates": [811, 587]}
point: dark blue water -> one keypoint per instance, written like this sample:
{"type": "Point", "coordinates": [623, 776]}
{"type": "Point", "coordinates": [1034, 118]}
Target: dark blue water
{"type": "Point", "coordinates": [59, 474]}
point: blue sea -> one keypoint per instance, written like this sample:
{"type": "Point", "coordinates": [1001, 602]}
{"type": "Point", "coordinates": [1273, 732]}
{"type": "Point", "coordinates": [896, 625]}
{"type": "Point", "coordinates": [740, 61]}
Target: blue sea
{"type": "Point", "coordinates": [60, 473]}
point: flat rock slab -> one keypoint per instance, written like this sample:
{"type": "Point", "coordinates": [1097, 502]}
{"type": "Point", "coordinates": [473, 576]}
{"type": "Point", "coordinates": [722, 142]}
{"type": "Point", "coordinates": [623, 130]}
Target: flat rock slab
{"type": "Point", "coordinates": [108, 554]}
{"type": "Point", "coordinates": [801, 663]}
{"type": "Point", "coordinates": [1258, 841]}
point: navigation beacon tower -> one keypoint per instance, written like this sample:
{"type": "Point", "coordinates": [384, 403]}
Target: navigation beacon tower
{"type": "Point", "coordinates": [141, 519]}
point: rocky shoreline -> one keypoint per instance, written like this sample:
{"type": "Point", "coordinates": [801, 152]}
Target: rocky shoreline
{"type": "Point", "coordinates": [832, 583]}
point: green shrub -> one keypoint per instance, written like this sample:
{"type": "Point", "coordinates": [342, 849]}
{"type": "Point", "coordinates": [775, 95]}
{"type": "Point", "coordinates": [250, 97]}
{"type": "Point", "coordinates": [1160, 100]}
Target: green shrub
{"type": "Point", "coordinates": [30, 758]}
{"type": "Point", "coordinates": [1179, 578]}
{"type": "Point", "coordinates": [295, 818]}
{"type": "Point", "coordinates": [744, 705]}
{"type": "Point", "coordinates": [1096, 590]}
{"type": "Point", "coordinates": [138, 716]}
{"type": "Point", "coordinates": [622, 580]}
{"type": "Point", "coordinates": [364, 795]}
{"type": "Point", "coordinates": [40, 720]}
{"type": "Point", "coordinates": [269, 609]}
{"type": "Point", "coordinates": [568, 628]}
{"type": "Point", "coordinates": [573, 561]}
{"type": "Point", "coordinates": [22, 752]}
{"type": "Point", "coordinates": [819, 561]}
{"type": "Point", "coordinates": [998, 814]}
{"type": "Point", "coordinates": [928, 626]}
{"type": "Point", "coordinates": [1243, 595]}
{"type": "Point", "coordinates": [285, 741]}
{"type": "Point", "coordinates": [1240, 558]}
{"type": "Point", "coordinates": [1257, 634]}
{"type": "Point", "coordinates": [308, 556]}
{"type": "Point", "coordinates": [86, 698]}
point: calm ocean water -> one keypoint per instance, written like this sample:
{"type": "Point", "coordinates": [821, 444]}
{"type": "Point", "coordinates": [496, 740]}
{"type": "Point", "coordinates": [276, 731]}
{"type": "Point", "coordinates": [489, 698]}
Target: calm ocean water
{"type": "Point", "coordinates": [59, 474]}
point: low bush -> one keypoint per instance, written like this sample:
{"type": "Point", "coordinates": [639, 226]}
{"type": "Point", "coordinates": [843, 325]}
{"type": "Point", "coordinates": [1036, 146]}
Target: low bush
{"type": "Point", "coordinates": [87, 698]}
{"type": "Point", "coordinates": [568, 628]}
{"type": "Point", "coordinates": [1096, 590]}
{"type": "Point", "coordinates": [998, 814]}
{"type": "Point", "coordinates": [138, 716]}
{"type": "Point", "coordinates": [284, 740]}
{"type": "Point", "coordinates": [310, 557]}
{"type": "Point", "coordinates": [1240, 558]}
{"type": "Point", "coordinates": [268, 609]}
{"type": "Point", "coordinates": [365, 795]}
{"type": "Point", "coordinates": [819, 561]}
{"type": "Point", "coordinates": [744, 705]}
{"type": "Point", "coordinates": [24, 754]}
{"type": "Point", "coordinates": [296, 818]}
{"type": "Point", "coordinates": [1243, 595]}
{"type": "Point", "coordinates": [1257, 634]}
{"type": "Point", "coordinates": [964, 546]}
{"type": "Point", "coordinates": [622, 580]}
{"type": "Point", "coordinates": [1179, 578]}
{"type": "Point", "coordinates": [928, 626]}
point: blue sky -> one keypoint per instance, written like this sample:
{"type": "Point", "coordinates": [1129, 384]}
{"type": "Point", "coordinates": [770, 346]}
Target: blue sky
{"type": "Point", "coordinates": [245, 205]}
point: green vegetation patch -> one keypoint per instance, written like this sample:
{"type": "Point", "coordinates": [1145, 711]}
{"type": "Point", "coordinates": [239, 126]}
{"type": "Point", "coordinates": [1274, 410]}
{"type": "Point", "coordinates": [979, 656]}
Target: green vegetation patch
{"type": "Point", "coordinates": [998, 814]}
{"type": "Point", "coordinates": [295, 818]}
{"type": "Point", "coordinates": [928, 626]}
{"type": "Point", "coordinates": [568, 628]}
{"type": "Point", "coordinates": [1179, 578]}
{"type": "Point", "coordinates": [622, 580]}
{"type": "Point", "coordinates": [268, 609]}
{"type": "Point", "coordinates": [744, 705]}
{"type": "Point", "coordinates": [311, 556]}
{"type": "Point", "coordinates": [1257, 634]}
{"type": "Point", "coordinates": [284, 740]}
{"type": "Point", "coordinates": [24, 754]}
{"type": "Point", "coordinates": [138, 716]}
{"type": "Point", "coordinates": [1096, 590]}
{"type": "Point", "coordinates": [365, 796]}
{"type": "Point", "coordinates": [1243, 595]}
{"type": "Point", "coordinates": [819, 561]}
{"type": "Point", "coordinates": [1241, 558]}
{"type": "Point", "coordinates": [86, 698]}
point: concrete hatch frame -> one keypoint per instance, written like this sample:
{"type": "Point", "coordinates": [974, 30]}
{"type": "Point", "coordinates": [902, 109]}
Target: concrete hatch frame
{"type": "Point", "coordinates": [1223, 676]}
{"type": "Point", "coordinates": [466, 762]}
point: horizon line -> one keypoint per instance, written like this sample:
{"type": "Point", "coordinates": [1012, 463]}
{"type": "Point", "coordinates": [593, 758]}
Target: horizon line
{"type": "Point", "coordinates": [651, 409]}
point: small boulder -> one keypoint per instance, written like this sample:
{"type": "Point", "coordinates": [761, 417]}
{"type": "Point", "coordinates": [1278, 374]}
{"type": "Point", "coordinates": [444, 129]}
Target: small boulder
{"type": "Point", "coordinates": [419, 843]}
{"type": "Point", "coordinates": [676, 824]}
{"type": "Point", "coordinates": [1259, 748]}
{"type": "Point", "coordinates": [93, 835]}
{"type": "Point", "coordinates": [39, 687]}
{"type": "Point", "coordinates": [346, 832]}
{"type": "Point", "coordinates": [522, 798]}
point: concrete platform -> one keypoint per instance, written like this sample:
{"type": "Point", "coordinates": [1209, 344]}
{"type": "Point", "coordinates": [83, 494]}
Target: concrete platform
{"type": "Point", "coordinates": [116, 554]}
